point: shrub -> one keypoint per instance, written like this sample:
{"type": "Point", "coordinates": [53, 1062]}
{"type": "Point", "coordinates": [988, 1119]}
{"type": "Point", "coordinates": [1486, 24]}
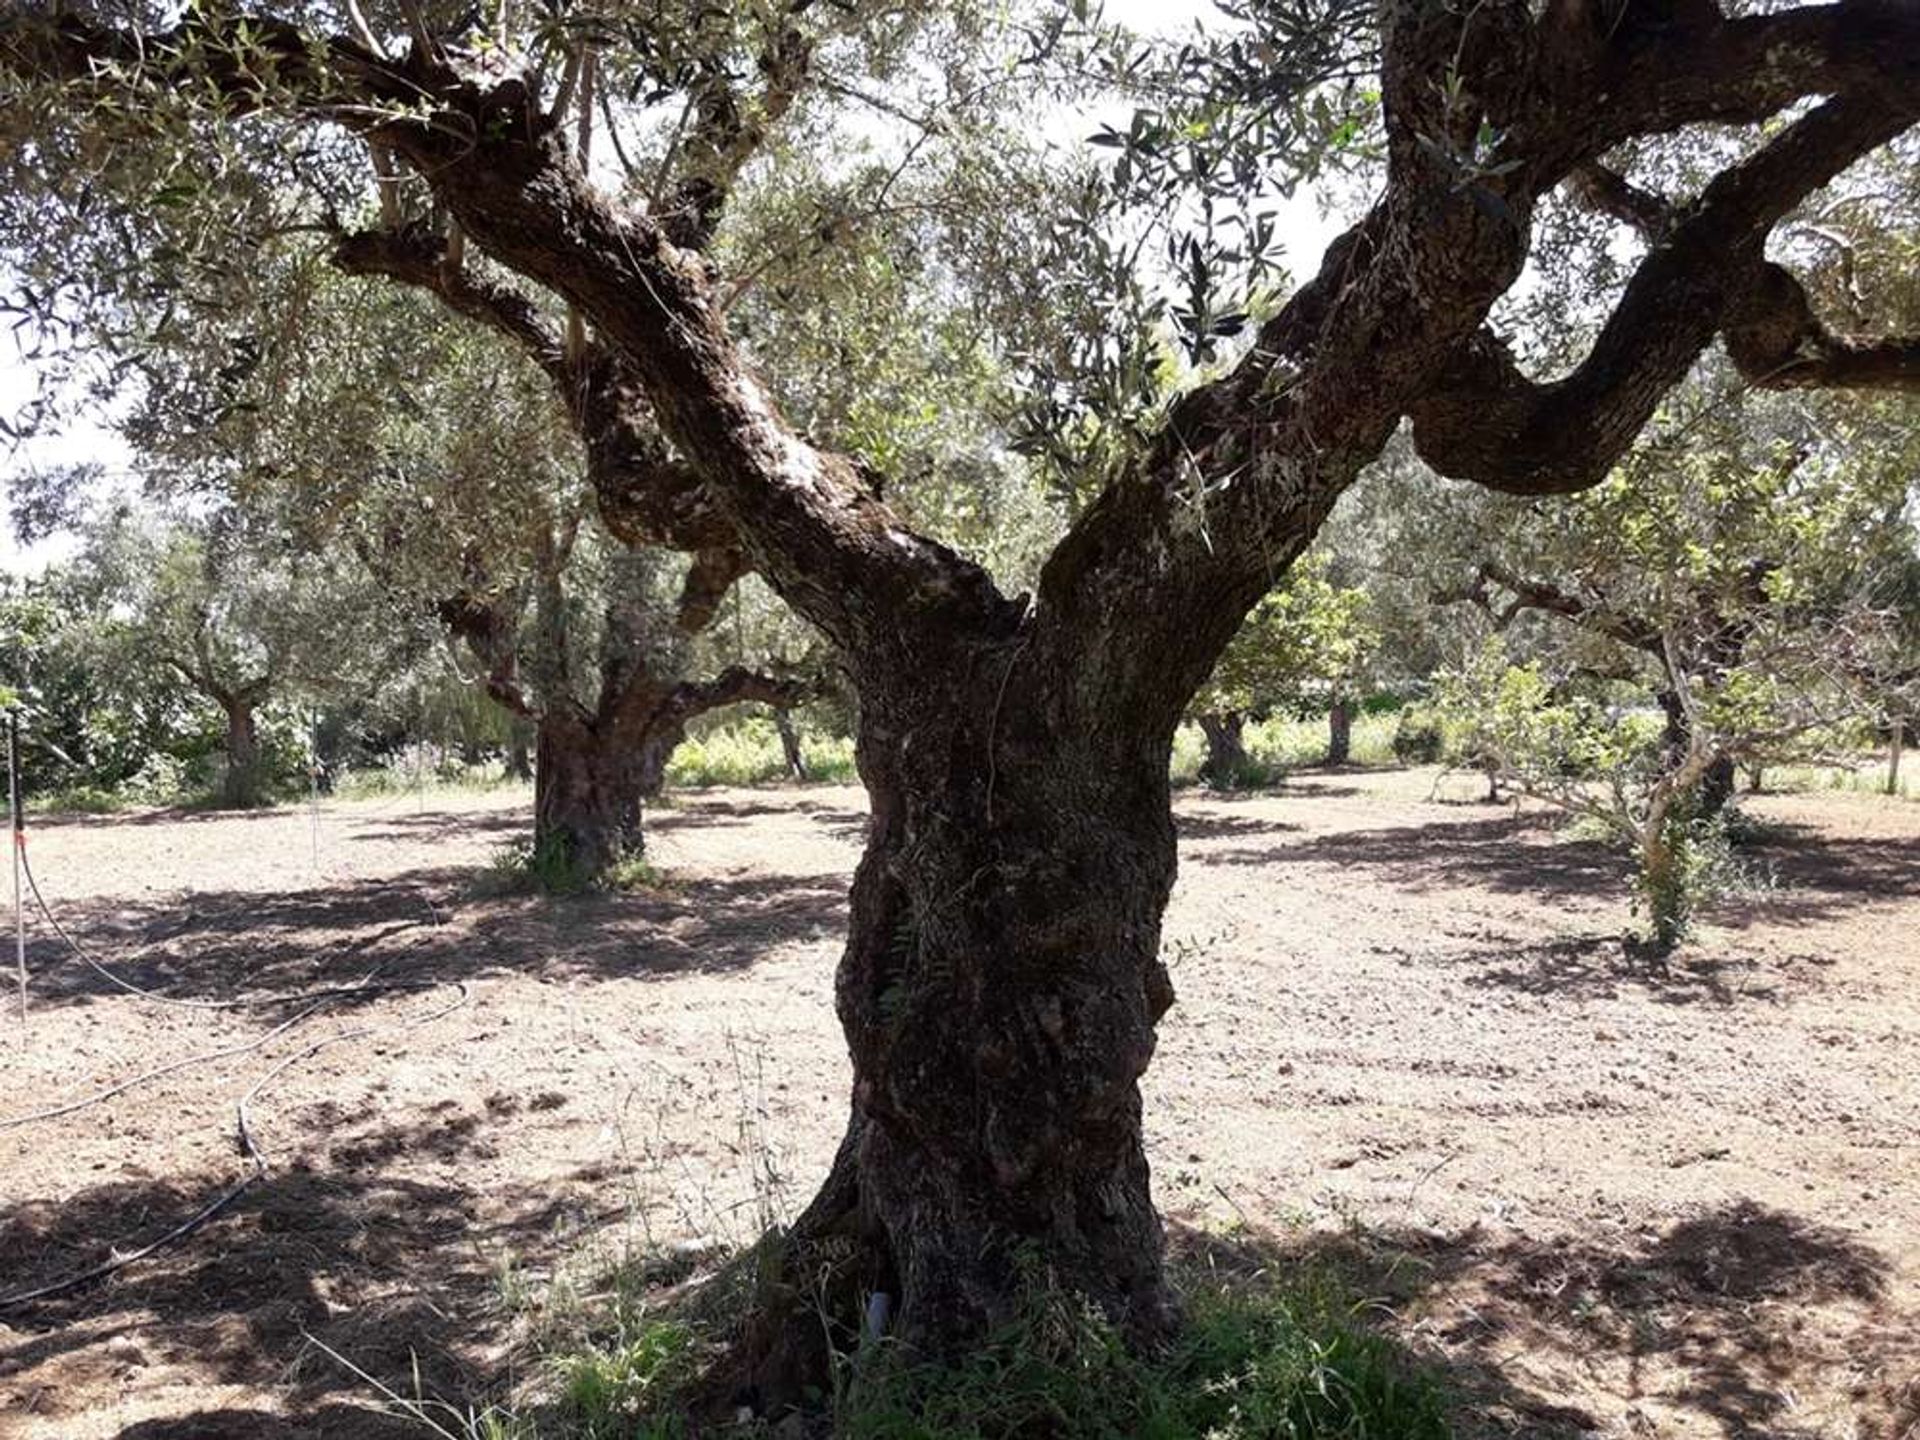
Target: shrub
{"type": "Point", "coordinates": [1418, 736]}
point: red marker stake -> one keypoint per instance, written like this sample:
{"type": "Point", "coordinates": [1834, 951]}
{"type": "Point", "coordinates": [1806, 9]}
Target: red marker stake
{"type": "Point", "coordinates": [19, 844]}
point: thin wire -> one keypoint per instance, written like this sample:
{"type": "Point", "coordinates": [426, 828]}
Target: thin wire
{"type": "Point", "coordinates": [251, 1002]}
{"type": "Point", "coordinates": [249, 1149]}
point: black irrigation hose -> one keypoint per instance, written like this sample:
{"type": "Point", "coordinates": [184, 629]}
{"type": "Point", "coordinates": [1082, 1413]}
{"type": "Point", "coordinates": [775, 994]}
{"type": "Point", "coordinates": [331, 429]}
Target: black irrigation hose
{"type": "Point", "coordinates": [252, 1002]}
{"type": "Point", "coordinates": [250, 1151]}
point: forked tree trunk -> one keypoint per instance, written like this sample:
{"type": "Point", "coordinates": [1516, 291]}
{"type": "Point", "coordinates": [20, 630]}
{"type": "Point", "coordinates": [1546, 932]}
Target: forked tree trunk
{"type": "Point", "coordinates": [586, 801]}
{"type": "Point", "coordinates": [1227, 765]}
{"type": "Point", "coordinates": [1339, 732]}
{"type": "Point", "coordinates": [999, 993]}
{"type": "Point", "coordinates": [240, 786]}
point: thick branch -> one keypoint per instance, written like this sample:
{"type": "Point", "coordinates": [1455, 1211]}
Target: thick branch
{"type": "Point", "coordinates": [1489, 423]}
{"type": "Point", "coordinates": [710, 577]}
{"type": "Point", "coordinates": [736, 685]}
{"type": "Point", "coordinates": [724, 134]}
{"type": "Point", "coordinates": [1665, 67]}
{"type": "Point", "coordinates": [490, 633]}
{"type": "Point", "coordinates": [1778, 342]}
{"type": "Point", "coordinates": [416, 256]}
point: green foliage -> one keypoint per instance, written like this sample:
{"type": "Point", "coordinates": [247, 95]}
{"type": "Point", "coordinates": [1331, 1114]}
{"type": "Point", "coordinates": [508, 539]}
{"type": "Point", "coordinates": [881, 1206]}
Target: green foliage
{"type": "Point", "coordinates": [746, 750]}
{"type": "Point", "coordinates": [1613, 768]}
{"type": "Point", "coordinates": [1301, 645]}
{"type": "Point", "coordinates": [607, 1389]}
{"type": "Point", "coordinates": [1419, 738]}
{"type": "Point", "coordinates": [1298, 1364]}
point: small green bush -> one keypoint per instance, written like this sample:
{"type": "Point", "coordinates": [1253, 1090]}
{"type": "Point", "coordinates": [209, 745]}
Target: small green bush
{"type": "Point", "coordinates": [1418, 737]}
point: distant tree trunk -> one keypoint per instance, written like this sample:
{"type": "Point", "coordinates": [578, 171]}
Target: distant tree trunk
{"type": "Point", "coordinates": [790, 743]}
{"type": "Point", "coordinates": [586, 801]}
{"type": "Point", "coordinates": [1227, 765]}
{"type": "Point", "coordinates": [1339, 731]}
{"type": "Point", "coordinates": [1715, 789]}
{"type": "Point", "coordinates": [240, 787]}
{"type": "Point", "coordinates": [519, 762]}
{"type": "Point", "coordinates": [1896, 742]}
{"type": "Point", "coordinates": [1756, 777]}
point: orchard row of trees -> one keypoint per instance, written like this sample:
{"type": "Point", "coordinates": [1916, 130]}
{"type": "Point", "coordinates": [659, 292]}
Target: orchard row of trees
{"type": "Point", "coordinates": [565, 325]}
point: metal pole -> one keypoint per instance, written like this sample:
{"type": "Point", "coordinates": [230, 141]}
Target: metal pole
{"type": "Point", "coordinates": [19, 844]}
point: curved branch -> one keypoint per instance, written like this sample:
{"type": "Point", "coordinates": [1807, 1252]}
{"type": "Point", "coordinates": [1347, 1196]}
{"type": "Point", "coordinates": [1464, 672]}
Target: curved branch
{"type": "Point", "coordinates": [1659, 68]}
{"type": "Point", "coordinates": [735, 685]}
{"type": "Point", "coordinates": [710, 577]}
{"type": "Point", "coordinates": [1490, 423]}
{"type": "Point", "coordinates": [722, 134]}
{"type": "Point", "coordinates": [1544, 596]}
{"type": "Point", "coordinates": [414, 255]}
{"type": "Point", "coordinates": [1778, 342]}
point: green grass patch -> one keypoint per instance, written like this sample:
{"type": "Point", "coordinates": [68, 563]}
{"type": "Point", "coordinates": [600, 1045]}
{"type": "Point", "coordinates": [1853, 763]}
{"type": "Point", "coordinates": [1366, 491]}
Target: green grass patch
{"type": "Point", "coordinates": [1295, 1363]}
{"type": "Point", "coordinates": [1257, 1360]}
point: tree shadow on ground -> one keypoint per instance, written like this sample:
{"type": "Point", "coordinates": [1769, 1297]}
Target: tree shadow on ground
{"type": "Point", "coordinates": [1507, 852]}
{"type": "Point", "coordinates": [392, 1273]}
{"type": "Point", "coordinates": [1197, 826]}
{"type": "Point", "coordinates": [1816, 877]}
{"type": "Point", "coordinates": [696, 811]}
{"type": "Point", "coordinates": [1599, 967]}
{"type": "Point", "coordinates": [1710, 1319]}
{"type": "Point", "coordinates": [170, 815]}
{"type": "Point", "coordinates": [427, 925]}
{"type": "Point", "coordinates": [427, 825]}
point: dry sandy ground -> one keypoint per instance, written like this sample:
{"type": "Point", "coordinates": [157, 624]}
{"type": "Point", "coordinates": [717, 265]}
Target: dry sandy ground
{"type": "Point", "coordinates": [1604, 1200]}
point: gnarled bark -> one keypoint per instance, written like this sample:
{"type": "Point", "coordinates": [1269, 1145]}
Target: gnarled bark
{"type": "Point", "coordinates": [586, 799]}
{"type": "Point", "coordinates": [1227, 764]}
{"type": "Point", "coordinates": [999, 993]}
{"type": "Point", "coordinates": [1000, 986]}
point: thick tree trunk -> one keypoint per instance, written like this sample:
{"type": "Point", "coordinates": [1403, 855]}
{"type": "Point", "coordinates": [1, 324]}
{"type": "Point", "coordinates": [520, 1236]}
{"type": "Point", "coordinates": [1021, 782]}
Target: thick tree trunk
{"type": "Point", "coordinates": [1227, 765]}
{"type": "Point", "coordinates": [1339, 732]}
{"type": "Point", "coordinates": [586, 801]}
{"type": "Point", "coordinates": [790, 743]}
{"type": "Point", "coordinates": [240, 786]}
{"type": "Point", "coordinates": [999, 993]}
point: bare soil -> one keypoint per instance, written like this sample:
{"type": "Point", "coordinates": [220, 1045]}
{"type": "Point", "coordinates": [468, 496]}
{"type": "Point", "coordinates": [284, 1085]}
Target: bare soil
{"type": "Point", "coordinates": [1603, 1197]}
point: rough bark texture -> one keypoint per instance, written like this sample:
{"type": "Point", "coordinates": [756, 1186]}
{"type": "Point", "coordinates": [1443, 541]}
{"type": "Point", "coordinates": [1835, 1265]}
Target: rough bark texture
{"type": "Point", "coordinates": [999, 993]}
{"type": "Point", "coordinates": [1227, 764]}
{"type": "Point", "coordinates": [586, 798]}
{"type": "Point", "coordinates": [240, 784]}
{"type": "Point", "coordinates": [1339, 732]}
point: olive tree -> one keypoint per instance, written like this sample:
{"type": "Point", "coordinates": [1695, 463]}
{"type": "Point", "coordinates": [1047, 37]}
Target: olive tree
{"type": "Point", "coordinates": [1302, 643]}
{"type": "Point", "coordinates": [1740, 579]}
{"type": "Point", "coordinates": [1002, 980]}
